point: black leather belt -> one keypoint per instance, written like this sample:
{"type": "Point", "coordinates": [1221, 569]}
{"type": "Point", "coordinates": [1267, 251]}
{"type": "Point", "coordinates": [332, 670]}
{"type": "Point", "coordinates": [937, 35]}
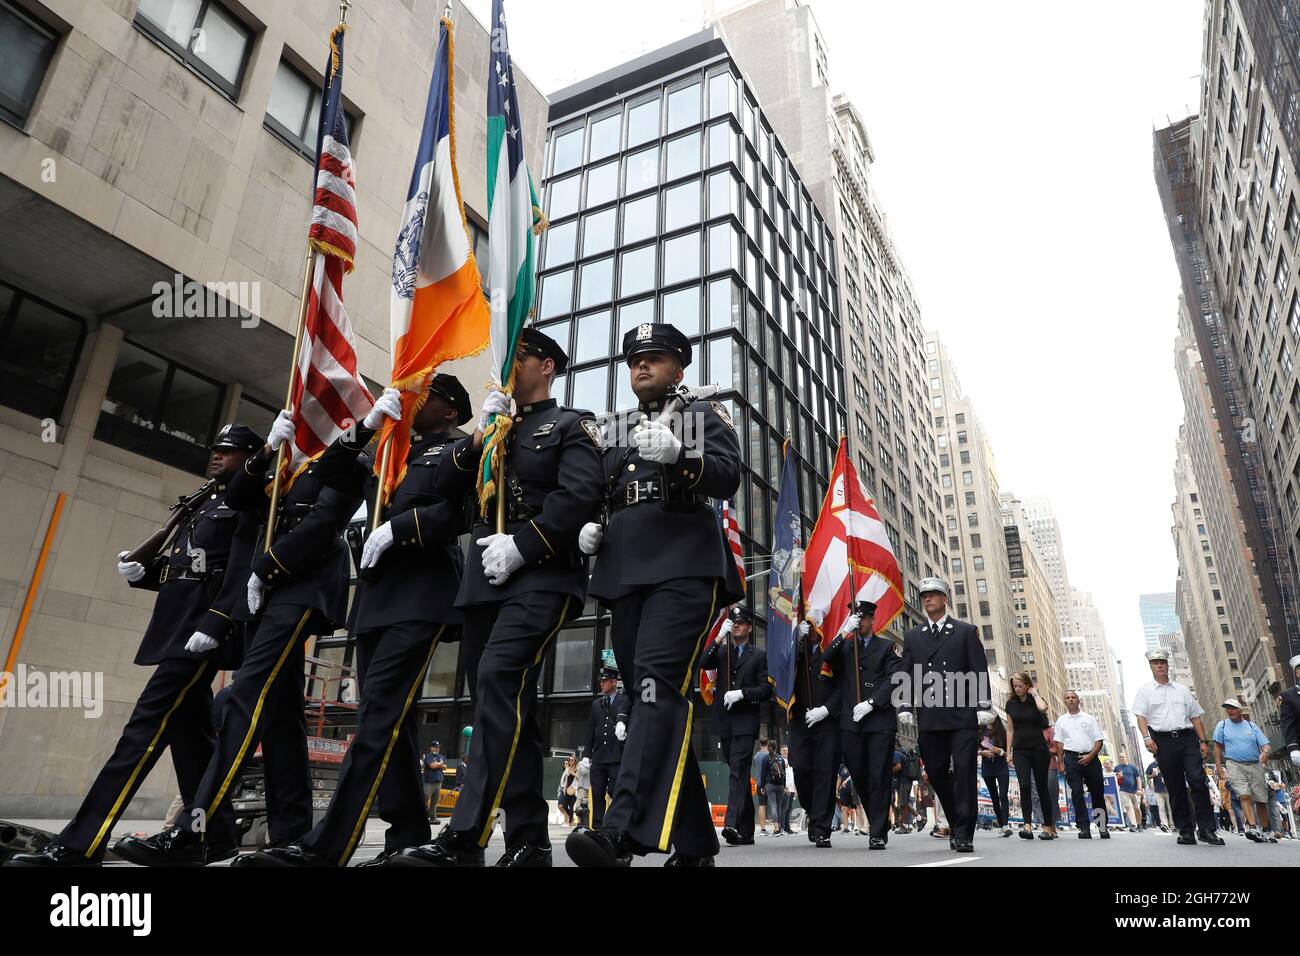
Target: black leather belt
{"type": "Point", "coordinates": [1172, 733]}
{"type": "Point", "coordinates": [641, 492]}
{"type": "Point", "coordinates": [182, 573]}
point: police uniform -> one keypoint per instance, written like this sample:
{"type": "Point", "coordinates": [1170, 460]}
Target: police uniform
{"type": "Point", "coordinates": [943, 660]}
{"type": "Point", "coordinates": [174, 711]}
{"type": "Point", "coordinates": [868, 743]}
{"type": "Point", "coordinates": [552, 486]}
{"type": "Point", "coordinates": [604, 750]}
{"type": "Point", "coordinates": [401, 612]}
{"type": "Point", "coordinates": [1289, 713]}
{"type": "Point", "coordinates": [815, 750]}
{"type": "Point", "coordinates": [306, 571]}
{"type": "Point", "coordinates": [664, 570]}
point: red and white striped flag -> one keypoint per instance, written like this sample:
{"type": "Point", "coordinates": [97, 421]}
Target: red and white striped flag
{"type": "Point", "coordinates": [328, 395]}
{"type": "Point", "coordinates": [849, 532]}
{"type": "Point", "coordinates": [731, 530]}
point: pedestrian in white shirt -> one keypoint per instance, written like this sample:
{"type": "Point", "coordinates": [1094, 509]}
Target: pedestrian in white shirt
{"type": "Point", "coordinates": [1169, 719]}
{"type": "Point", "coordinates": [1078, 740]}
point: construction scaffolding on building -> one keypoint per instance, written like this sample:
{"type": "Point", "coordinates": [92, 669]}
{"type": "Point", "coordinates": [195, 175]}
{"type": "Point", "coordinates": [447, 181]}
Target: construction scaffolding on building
{"type": "Point", "coordinates": [1176, 179]}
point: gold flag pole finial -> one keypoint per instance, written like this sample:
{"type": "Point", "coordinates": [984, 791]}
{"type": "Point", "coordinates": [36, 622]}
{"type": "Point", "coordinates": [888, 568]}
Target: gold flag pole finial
{"type": "Point", "coordinates": [446, 11]}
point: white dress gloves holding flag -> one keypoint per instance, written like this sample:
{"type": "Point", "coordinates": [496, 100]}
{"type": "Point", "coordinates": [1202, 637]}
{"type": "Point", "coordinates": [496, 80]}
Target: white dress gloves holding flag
{"type": "Point", "coordinates": [589, 538]}
{"type": "Point", "coordinates": [851, 625]}
{"type": "Point", "coordinates": [804, 628]}
{"type": "Point", "coordinates": [131, 570]}
{"type": "Point", "coordinates": [282, 430]}
{"type": "Point", "coordinates": [387, 405]}
{"type": "Point", "coordinates": [501, 557]}
{"type": "Point", "coordinates": [496, 403]}
{"type": "Point", "coordinates": [656, 442]}
{"type": "Point", "coordinates": [727, 627]}
{"type": "Point", "coordinates": [380, 540]}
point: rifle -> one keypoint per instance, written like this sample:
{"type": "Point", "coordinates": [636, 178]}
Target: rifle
{"type": "Point", "coordinates": [149, 548]}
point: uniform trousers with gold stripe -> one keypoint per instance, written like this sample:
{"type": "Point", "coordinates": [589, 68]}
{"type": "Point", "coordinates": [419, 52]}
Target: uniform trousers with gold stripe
{"type": "Point", "coordinates": [264, 705]}
{"type": "Point", "coordinates": [383, 761]}
{"type": "Point", "coordinates": [659, 797]}
{"type": "Point", "coordinates": [173, 712]}
{"type": "Point", "coordinates": [505, 645]}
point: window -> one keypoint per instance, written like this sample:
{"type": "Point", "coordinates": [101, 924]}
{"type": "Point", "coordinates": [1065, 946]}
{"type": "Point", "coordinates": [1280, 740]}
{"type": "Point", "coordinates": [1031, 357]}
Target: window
{"type": "Point", "coordinates": [684, 107]}
{"type": "Point", "coordinates": [557, 295]}
{"type": "Point", "coordinates": [203, 35]}
{"type": "Point", "coordinates": [564, 198]}
{"type": "Point", "coordinates": [566, 151]}
{"type": "Point", "coordinates": [642, 171]}
{"type": "Point", "coordinates": [593, 337]}
{"type": "Point", "coordinates": [157, 409]}
{"type": "Point", "coordinates": [682, 156]}
{"type": "Point", "coordinates": [602, 185]}
{"type": "Point", "coordinates": [293, 112]}
{"type": "Point", "coordinates": [26, 46]}
{"type": "Point", "coordinates": [39, 348]}
{"type": "Point", "coordinates": [596, 283]}
{"type": "Point", "coordinates": [605, 134]}
{"type": "Point", "coordinates": [682, 206]}
{"type": "Point", "coordinates": [636, 271]}
{"type": "Point", "coordinates": [682, 308]}
{"type": "Point", "coordinates": [597, 232]}
{"type": "Point", "coordinates": [682, 258]}
{"type": "Point", "coordinates": [591, 389]}
{"type": "Point", "coordinates": [560, 244]}
{"type": "Point", "coordinates": [722, 94]}
{"type": "Point", "coordinates": [643, 121]}
{"type": "Point", "coordinates": [639, 220]}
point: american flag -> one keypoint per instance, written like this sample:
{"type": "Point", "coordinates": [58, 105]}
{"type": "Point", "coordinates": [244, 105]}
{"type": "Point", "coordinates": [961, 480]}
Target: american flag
{"type": "Point", "coordinates": [328, 394]}
{"type": "Point", "coordinates": [731, 531]}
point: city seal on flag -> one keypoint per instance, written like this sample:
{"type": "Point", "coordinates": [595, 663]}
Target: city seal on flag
{"type": "Point", "coordinates": [406, 254]}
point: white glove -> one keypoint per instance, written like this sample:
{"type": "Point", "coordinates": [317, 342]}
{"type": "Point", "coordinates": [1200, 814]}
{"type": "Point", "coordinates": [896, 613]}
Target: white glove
{"type": "Point", "coordinates": [731, 697]}
{"type": "Point", "coordinates": [496, 403]}
{"type": "Point", "coordinates": [861, 710]}
{"type": "Point", "coordinates": [1295, 757]}
{"type": "Point", "coordinates": [589, 537]}
{"type": "Point", "coordinates": [814, 715]}
{"type": "Point", "coordinates": [282, 430]}
{"type": "Point", "coordinates": [200, 643]}
{"type": "Point", "coordinates": [727, 627]}
{"type": "Point", "coordinates": [584, 763]}
{"type": "Point", "coordinates": [131, 570]}
{"type": "Point", "coordinates": [501, 557]}
{"type": "Point", "coordinates": [906, 717]}
{"type": "Point", "coordinates": [256, 593]}
{"type": "Point", "coordinates": [620, 731]}
{"type": "Point", "coordinates": [387, 405]}
{"type": "Point", "coordinates": [851, 624]}
{"type": "Point", "coordinates": [380, 540]}
{"type": "Point", "coordinates": [984, 716]}
{"type": "Point", "coordinates": [656, 442]}
{"type": "Point", "coordinates": [804, 628]}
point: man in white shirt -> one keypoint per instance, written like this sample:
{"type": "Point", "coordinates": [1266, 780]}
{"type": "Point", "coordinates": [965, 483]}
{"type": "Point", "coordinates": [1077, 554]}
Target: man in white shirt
{"type": "Point", "coordinates": [1169, 719]}
{"type": "Point", "coordinates": [1078, 740]}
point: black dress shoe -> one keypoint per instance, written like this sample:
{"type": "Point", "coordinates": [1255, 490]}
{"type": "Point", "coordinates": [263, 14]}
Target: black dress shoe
{"type": "Point", "coordinates": [962, 846]}
{"type": "Point", "coordinates": [383, 859]}
{"type": "Point", "coordinates": [1186, 838]}
{"type": "Point", "coordinates": [732, 836]}
{"type": "Point", "coordinates": [52, 854]}
{"type": "Point", "coordinates": [682, 859]}
{"type": "Point", "coordinates": [175, 846]}
{"type": "Point", "coordinates": [601, 847]}
{"type": "Point", "coordinates": [526, 854]}
{"type": "Point", "coordinates": [295, 854]}
{"type": "Point", "coordinates": [1213, 839]}
{"type": "Point", "coordinates": [877, 843]}
{"type": "Point", "coordinates": [1104, 834]}
{"type": "Point", "coordinates": [823, 843]}
{"type": "Point", "coordinates": [1085, 834]}
{"type": "Point", "coordinates": [447, 849]}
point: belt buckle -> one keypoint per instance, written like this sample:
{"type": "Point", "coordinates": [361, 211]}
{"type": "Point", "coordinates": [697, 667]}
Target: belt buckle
{"type": "Point", "coordinates": [1173, 733]}
{"type": "Point", "coordinates": [632, 494]}
{"type": "Point", "coordinates": [162, 575]}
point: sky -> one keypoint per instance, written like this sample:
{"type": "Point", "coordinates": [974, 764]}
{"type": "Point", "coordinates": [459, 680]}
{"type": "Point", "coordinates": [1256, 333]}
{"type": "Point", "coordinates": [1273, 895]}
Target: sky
{"type": "Point", "coordinates": [1014, 161]}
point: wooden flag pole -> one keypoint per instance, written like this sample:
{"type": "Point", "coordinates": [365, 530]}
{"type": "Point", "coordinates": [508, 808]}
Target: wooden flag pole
{"type": "Point", "coordinates": [309, 272]}
{"type": "Point", "coordinates": [385, 457]}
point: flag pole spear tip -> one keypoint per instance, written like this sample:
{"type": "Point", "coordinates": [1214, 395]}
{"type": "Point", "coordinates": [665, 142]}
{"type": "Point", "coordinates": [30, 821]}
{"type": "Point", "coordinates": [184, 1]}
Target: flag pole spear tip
{"type": "Point", "coordinates": [344, 5]}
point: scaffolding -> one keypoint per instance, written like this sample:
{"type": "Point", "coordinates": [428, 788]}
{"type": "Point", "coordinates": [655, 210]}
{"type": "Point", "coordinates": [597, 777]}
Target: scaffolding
{"type": "Point", "coordinates": [1176, 179]}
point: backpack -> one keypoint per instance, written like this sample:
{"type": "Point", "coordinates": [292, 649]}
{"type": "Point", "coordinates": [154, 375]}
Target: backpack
{"type": "Point", "coordinates": [776, 770]}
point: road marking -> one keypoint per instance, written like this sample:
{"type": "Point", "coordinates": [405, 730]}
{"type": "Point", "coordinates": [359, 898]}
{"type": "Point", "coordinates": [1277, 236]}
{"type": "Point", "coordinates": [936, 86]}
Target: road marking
{"type": "Point", "coordinates": [960, 859]}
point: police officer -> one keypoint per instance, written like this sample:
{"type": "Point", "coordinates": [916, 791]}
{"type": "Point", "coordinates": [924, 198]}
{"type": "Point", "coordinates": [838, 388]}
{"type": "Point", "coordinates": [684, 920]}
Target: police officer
{"type": "Point", "coordinates": [410, 570]}
{"type": "Point", "coordinates": [868, 721]}
{"type": "Point", "coordinates": [945, 666]}
{"type": "Point", "coordinates": [519, 588]}
{"type": "Point", "coordinates": [743, 685]}
{"type": "Point", "coordinates": [606, 731]}
{"type": "Point", "coordinates": [190, 638]}
{"type": "Point", "coordinates": [1289, 713]}
{"type": "Point", "coordinates": [296, 588]}
{"type": "Point", "coordinates": [1169, 719]}
{"type": "Point", "coordinates": [664, 569]}
{"type": "Point", "coordinates": [814, 735]}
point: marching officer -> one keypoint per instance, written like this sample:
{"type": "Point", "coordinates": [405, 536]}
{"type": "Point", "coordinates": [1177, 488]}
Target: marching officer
{"type": "Point", "coordinates": [948, 672]}
{"type": "Point", "coordinates": [1169, 719]}
{"type": "Point", "coordinates": [743, 685]}
{"type": "Point", "coordinates": [868, 721]}
{"type": "Point", "coordinates": [410, 570]}
{"type": "Point", "coordinates": [607, 729]}
{"type": "Point", "coordinates": [296, 588]}
{"type": "Point", "coordinates": [814, 735]}
{"type": "Point", "coordinates": [190, 638]}
{"type": "Point", "coordinates": [1289, 712]}
{"type": "Point", "coordinates": [520, 587]}
{"type": "Point", "coordinates": [664, 570]}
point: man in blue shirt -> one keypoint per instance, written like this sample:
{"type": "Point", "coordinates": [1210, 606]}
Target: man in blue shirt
{"type": "Point", "coordinates": [1130, 786]}
{"type": "Point", "coordinates": [1243, 746]}
{"type": "Point", "coordinates": [434, 767]}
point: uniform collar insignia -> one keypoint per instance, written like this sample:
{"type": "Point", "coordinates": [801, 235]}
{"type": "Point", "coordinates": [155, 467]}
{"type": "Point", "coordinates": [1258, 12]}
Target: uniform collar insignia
{"type": "Point", "coordinates": [537, 407]}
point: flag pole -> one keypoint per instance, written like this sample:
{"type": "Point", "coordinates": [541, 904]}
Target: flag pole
{"type": "Point", "coordinates": [384, 457]}
{"type": "Point", "coordinates": [853, 583]}
{"type": "Point", "coordinates": [309, 271]}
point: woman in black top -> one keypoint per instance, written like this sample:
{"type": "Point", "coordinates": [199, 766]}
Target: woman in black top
{"type": "Point", "coordinates": [1026, 721]}
{"type": "Point", "coordinates": [994, 768]}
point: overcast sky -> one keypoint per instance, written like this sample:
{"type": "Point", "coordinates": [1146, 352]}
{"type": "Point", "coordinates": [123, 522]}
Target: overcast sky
{"type": "Point", "coordinates": [1013, 158]}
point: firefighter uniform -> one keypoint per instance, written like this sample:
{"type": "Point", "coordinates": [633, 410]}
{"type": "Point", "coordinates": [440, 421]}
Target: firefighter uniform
{"type": "Point", "coordinates": [665, 571]}
{"type": "Point", "coordinates": [402, 611]}
{"type": "Point", "coordinates": [815, 750]}
{"type": "Point", "coordinates": [552, 487]}
{"type": "Point", "coordinates": [306, 572]}
{"type": "Point", "coordinates": [198, 582]}
{"type": "Point", "coordinates": [604, 751]}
